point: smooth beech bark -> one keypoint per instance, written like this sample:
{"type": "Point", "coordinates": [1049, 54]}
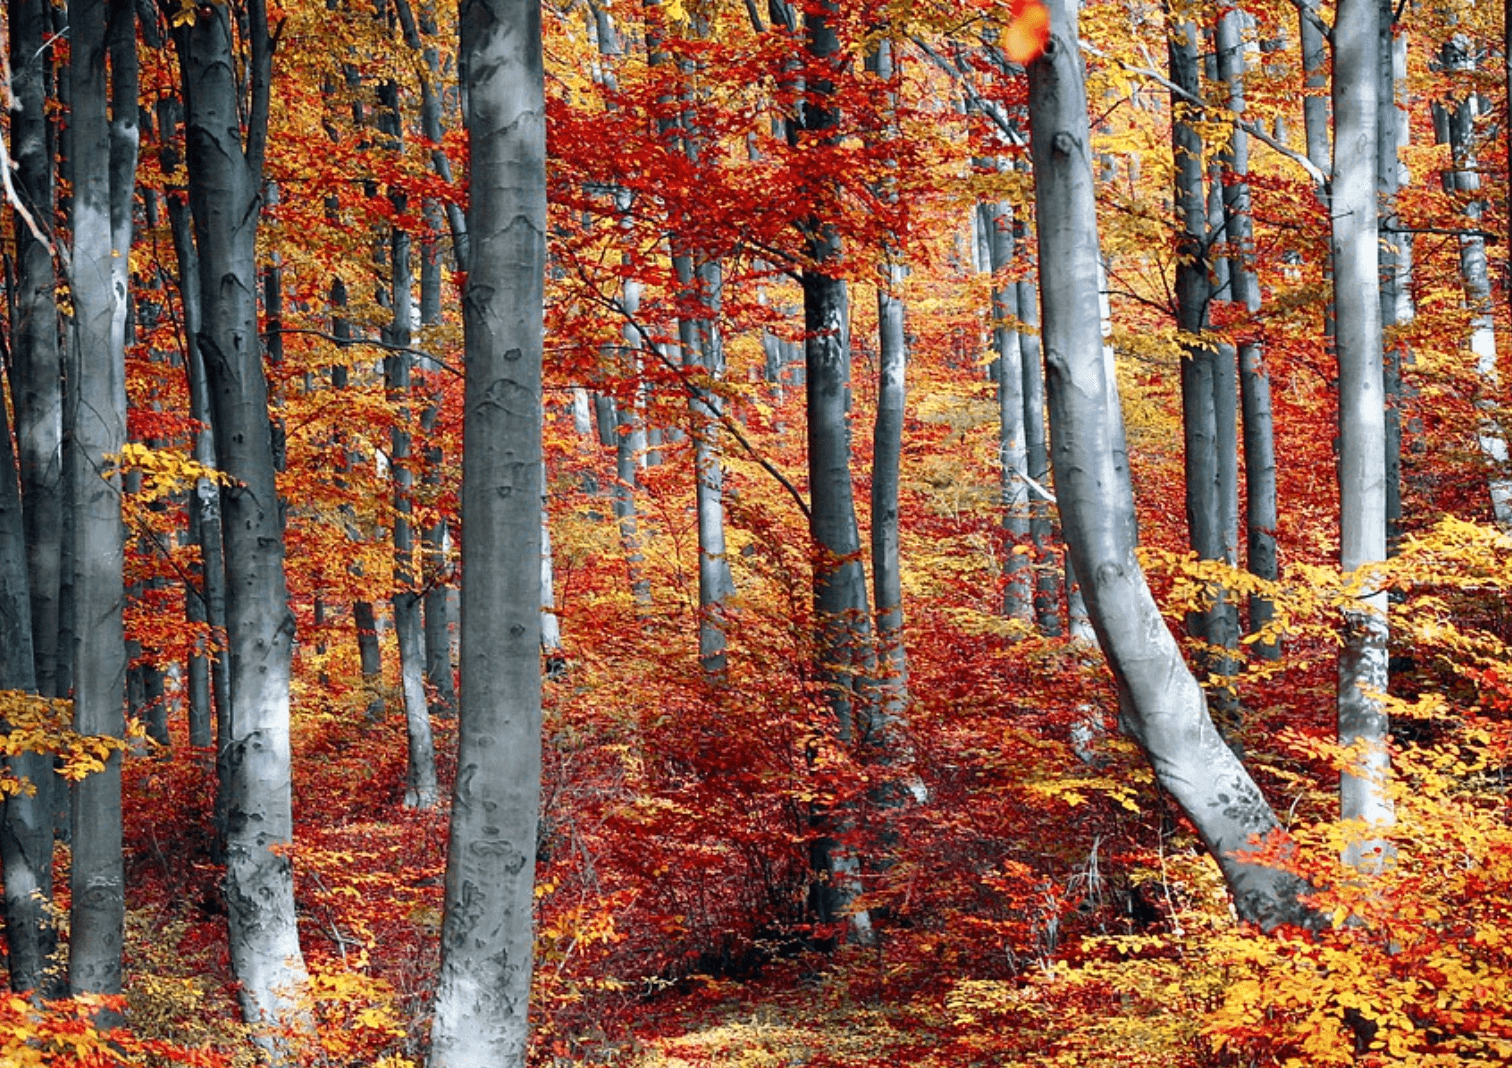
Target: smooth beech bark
{"type": "Point", "coordinates": [420, 790]}
{"type": "Point", "coordinates": [1162, 705]}
{"type": "Point", "coordinates": [845, 658]}
{"type": "Point", "coordinates": [1260, 507]}
{"type": "Point", "coordinates": [26, 829]}
{"type": "Point", "coordinates": [1207, 390]}
{"type": "Point", "coordinates": [26, 832]}
{"type": "Point", "coordinates": [1455, 126]}
{"type": "Point", "coordinates": [1363, 791]}
{"type": "Point", "coordinates": [483, 991]}
{"type": "Point", "coordinates": [996, 224]}
{"type": "Point", "coordinates": [35, 369]}
{"type": "Point", "coordinates": [1396, 254]}
{"type": "Point", "coordinates": [96, 412]}
{"type": "Point", "coordinates": [225, 183]}
{"type": "Point", "coordinates": [887, 440]}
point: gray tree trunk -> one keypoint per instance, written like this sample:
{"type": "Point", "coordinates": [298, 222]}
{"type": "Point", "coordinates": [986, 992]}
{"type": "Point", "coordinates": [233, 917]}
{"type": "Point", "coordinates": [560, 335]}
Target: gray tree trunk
{"type": "Point", "coordinates": [208, 683]}
{"type": "Point", "coordinates": [420, 789]}
{"type": "Point", "coordinates": [1207, 421]}
{"type": "Point", "coordinates": [1163, 707]}
{"type": "Point", "coordinates": [36, 371]}
{"type": "Point", "coordinates": [482, 994]}
{"type": "Point", "coordinates": [26, 827]}
{"type": "Point", "coordinates": [225, 180]}
{"type": "Point", "coordinates": [1456, 127]}
{"type": "Point", "coordinates": [1048, 572]}
{"type": "Point", "coordinates": [37, 401]}
{"type": "Point", "coordinates": [1396, 258]}
{"type": "Point", "coordinates": [1364, 793]}
{"type": "Point", "coordinates": [97, 424]}
{"type": "Point", "coordinates": [845, 658]}
{"type": "Point", "coordinates": [1260, 511]}
{"type": "Point", "coordinates": [1315, 75]}
{"type": "Point", "coordinates": [995, 222]}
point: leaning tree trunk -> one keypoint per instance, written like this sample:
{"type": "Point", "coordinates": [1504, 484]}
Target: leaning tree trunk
{"type": "Point", "coordinates": [1163, 707]}
{"type": "Point", "coordinates": [1364, 792]}
{"type": "Point", "coordinates": [97, 422]}
{"type": "Point", "coordinates": [483, 992]}
{"type": "Point", "coordinates": [225, 180]}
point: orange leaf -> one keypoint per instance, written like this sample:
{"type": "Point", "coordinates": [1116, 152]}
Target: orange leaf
{"type": "Point", "coordinates": [1028, 32]}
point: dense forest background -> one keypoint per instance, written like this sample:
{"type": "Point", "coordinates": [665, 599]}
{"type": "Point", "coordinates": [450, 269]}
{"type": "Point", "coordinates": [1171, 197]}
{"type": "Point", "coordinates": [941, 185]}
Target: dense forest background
{"type": "Point", "coordinates": [833, 769]}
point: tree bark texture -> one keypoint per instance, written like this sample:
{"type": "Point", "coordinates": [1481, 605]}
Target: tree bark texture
{"type": "Point", "coordinates": [1163, 707]}
{"type": "Point", "coordinates": [36, 371]}
{"type": "Point", "coordinates": [26, 829]}
{"type": "Point", "coordinates": [996, 224]}
{"type": "Point", "coordinates": [420, 790]}
{"type": "Point", "coordinates": [1260, 508]}
{"type": "Point", "coordinates": [96, 400]}
{"type": "Point", "coordinates": [483, 990]}
{"type": "Point", "coordinates": [1455, 126]}
{"type": "Point", "coordinates": [1207, 398]}
{"type": "Point", "coordinates": [1364, 793]}
{"type": "Point", "coordinates": [224, 192]}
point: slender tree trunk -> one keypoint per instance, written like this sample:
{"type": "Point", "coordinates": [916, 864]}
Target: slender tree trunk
{"type": "Point", "coordinates": [26, 828]}
{"type": "Point", "coordinates": [1205, 433]}
{"type": "Point", "coordinates": [842, 621]}
{"type": "Point", "coordinates": [225, 181]}
{"type": "Point", "coordinates": [207, 675]}
{"type": "Point", "coordinates": [1395, 252]}
{"type": "Point", "coordinates": [483, 990]}
{"type": "Point", "coordinates": [36, 371]}
{"type": "Point", "coordinates": [1364, 793]}
{"type": "Point", "coordinates": [1163, 707]}
{"type": "Point", "coordinates": [1048, 572]}
{"type": "Point", "coordinates": [1254, 380]}
{"type": "Point", "coordinates": [37, 401]}
{"type": "Point", "coordinates": [1456, 127]}
{"type": "Point", "coordinates": [996, 224]}
{"type": "Point", "coordinates": [97, 422]}
{"type": "Point", "coordinates": [420, 789]}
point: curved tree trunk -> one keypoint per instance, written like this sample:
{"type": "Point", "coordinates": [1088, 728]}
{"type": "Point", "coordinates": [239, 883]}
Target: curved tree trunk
{"type": "Point", "coordinates": [1163, 707]}
{"type": "Point", "coordinates": [483, 991]}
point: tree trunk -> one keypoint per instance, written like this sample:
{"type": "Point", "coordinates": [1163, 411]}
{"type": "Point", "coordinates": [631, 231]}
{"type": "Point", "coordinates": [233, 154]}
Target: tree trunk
{"type": "Point", "coordinates": [1204, 386]}
{"type": "Point", "coordinates": [1163, 707]}
{"type": "Point", "coordinates": [1396, 258]}
{"type": "Point", "coordinates": [1364, 792]}
{"type": "Point", "coordinates": [995, 222]}
{"type": "Point", "coordinates": [1456, 127]}
{"type": "Point", "coordinates": [37, 400]}
{"type": "Point", "coordinates": [483, 991]}
{"type": "Point", "coordinates": [97, 422]}
{"type": "Point", "coordinates": [26, 830]}
{"type": "Point", "coordinates": [1254, 380]}
{"type": "Point", "coordinates": [35, 368]}
{"type": "Point", "coordinates": [224, 187]}
{"type": "Point", "coordinates": [420, 789]}
{"type": "Point", "coordinates": [1048, 572]}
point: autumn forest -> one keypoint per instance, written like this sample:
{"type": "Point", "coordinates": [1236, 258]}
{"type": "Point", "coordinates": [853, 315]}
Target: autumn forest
{"type": "Point", "coordinates": [683, 533]}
